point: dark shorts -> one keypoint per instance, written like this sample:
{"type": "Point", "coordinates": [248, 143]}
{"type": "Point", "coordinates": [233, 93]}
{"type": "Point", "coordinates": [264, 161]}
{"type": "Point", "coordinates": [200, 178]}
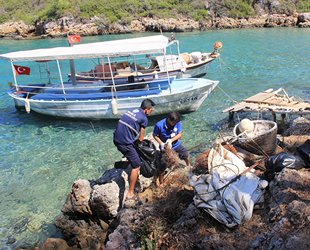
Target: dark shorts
{"type": "Point", "coordinates": [130, 153]}
{"type": "Point", "coordinates": [182, 151]}
{"type": "Point", "coordinates": [183, 155]}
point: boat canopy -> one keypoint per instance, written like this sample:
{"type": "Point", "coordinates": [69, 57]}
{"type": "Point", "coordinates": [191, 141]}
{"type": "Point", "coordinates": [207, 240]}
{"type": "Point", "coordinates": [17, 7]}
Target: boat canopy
{"type": "Point", "coordinates": [115, 48]}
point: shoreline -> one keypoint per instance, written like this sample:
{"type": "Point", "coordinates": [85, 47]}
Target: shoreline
{"type": "Point", "coordinates": [91, 27]}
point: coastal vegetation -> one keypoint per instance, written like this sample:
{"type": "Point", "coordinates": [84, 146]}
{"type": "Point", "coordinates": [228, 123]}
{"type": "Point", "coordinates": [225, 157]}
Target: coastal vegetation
{"type": "Point", "coordinates": [123, 11]}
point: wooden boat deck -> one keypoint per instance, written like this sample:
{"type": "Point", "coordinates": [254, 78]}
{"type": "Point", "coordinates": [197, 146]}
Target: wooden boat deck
{"type": "Point", "coordinates": [270, 101]}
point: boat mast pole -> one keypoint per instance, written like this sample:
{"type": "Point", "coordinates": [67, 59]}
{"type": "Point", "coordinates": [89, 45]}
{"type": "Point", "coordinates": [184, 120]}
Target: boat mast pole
{"type": "Point", "coordinates": [112, 77]}
{"type": "Point", "coordinates": [48, 72]}
{"type": "Point", "coordinates": [181, 63]}
{"type": "Point", "coordinates": [62, 84]}
{"type": "Point", "coordinates": [136, 69]}
{"type": "Point", "coordinates": [72, 69]}
{"type": "Point", "coordinates": [165, 58]}
{"type": "Point", "coordinates": [14, 75]}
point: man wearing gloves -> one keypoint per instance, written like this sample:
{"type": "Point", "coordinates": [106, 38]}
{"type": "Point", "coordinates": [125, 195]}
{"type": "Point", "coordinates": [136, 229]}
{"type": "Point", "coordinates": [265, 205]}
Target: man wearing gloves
{"type": "Point", "coordinates": [167, 133]}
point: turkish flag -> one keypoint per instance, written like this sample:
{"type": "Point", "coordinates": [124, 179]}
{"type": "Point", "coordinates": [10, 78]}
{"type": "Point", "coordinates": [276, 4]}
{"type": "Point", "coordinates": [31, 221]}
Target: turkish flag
{"type": "Point", "coordinates": [20, 70]}
{"type": "Point", "coordinates": [74, 38]}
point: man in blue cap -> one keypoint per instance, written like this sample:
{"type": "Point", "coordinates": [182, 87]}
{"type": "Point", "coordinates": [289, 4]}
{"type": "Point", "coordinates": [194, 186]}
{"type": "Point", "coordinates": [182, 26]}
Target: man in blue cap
{"type": "Point", "coordinates": [133, 122]}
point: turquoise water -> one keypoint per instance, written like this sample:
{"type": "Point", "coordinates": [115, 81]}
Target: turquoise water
{"type": "Point", "coordinates": [42, 156]}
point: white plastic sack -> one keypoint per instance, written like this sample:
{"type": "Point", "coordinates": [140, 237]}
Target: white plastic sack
{"type": "Point", "coordinates": [233, 204]}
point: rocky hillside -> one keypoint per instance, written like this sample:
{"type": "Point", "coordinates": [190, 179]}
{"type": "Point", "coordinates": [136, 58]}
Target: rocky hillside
{"type": "Point", "coordinates": [90, 26]}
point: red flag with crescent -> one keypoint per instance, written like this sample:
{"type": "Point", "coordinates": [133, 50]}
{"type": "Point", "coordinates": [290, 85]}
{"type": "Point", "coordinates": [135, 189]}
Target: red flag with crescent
{"type": "Point", "coordinates": [20, 70]}
{"type": "Point", "coordinates": [74, 38]}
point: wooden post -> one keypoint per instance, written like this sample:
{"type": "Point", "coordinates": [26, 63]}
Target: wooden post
{"type": "Point", "coordinates": [282, 117]}
{"type": "Point", "coordinates": [274, 117]}
{"type": "Point", "coordinates": [231, 116]}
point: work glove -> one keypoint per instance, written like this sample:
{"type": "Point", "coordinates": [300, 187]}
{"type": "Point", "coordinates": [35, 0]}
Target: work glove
{"type": "Point", "coordinates": [162, 146]}
{"type": "Point", "coordinates": [137, 142]}
{"type": "Point", "coordinates": [169, 143]}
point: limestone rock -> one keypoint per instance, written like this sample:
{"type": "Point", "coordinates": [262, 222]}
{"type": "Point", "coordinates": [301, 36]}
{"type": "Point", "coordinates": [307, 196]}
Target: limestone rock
{"type": "Point", "coordinates": [105, 199]}
{"type": "Point", "coordinates": [52, 243]}
{"type": "Point", "coordinates": [300, 126]}
{"type": "Point", "coordinates": [85, 234]}
{"type": "Point", "coordinates": [17, 28]}
{"type": "Point", "coordinates": [304, 17]}
{"type": "Point", "coordinates": [98, 26]}
{"type": "Point", "coordinates": [78, 200]}
{"type": "Point", "coordinates": [122, 238]}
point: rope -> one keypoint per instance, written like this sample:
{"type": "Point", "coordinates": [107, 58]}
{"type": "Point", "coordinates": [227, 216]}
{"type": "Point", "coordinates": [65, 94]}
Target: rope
{"type": "Point", "coordinates": [102, 143]}
{"type": "Point", "coordinates": [238, 175]}
{"type": "Point", "coordinates": [227, 94]}
{"type": "Point", "coordinates": [220, 60]}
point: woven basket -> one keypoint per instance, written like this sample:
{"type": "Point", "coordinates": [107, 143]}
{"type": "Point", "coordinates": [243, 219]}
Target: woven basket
{"type": "Point", "coordinates": [263, 143]}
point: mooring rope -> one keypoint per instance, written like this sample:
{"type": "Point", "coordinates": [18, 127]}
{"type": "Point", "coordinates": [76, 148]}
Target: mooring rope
{"type": "Point", "coordinates": [102, 143]}
{"type": "Point", "coordinates": [227, 94]}
{"type": "Point", "coordinates": [221, 60]}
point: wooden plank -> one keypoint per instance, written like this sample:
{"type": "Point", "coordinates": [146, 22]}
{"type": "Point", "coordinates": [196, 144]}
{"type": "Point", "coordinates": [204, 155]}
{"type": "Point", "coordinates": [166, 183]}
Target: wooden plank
{"type": "Point", "coordinates": [267, 101]}
{"type": "Point", "coordinates": [235, 107]}
{"type": "Point", "coordinates": [259, 97]}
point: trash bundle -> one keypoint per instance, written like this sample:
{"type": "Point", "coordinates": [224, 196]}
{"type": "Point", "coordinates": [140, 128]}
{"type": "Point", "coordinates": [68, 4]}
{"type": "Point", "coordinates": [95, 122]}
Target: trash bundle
{"type": "Point", "coordinates": [228, 199]}
{"type": "Point", "coordinates": [276, 163]}
{"type": "Point", "coordinates": [303, 152]}
{"type": "Point", "coordinates": [170, 157]}
{"type": "Point", "coordinates": [149, 157]}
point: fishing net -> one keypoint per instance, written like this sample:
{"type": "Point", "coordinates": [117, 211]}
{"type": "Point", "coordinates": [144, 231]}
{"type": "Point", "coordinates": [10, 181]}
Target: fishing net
{"type": "Point", "coordinates": [170, 157]}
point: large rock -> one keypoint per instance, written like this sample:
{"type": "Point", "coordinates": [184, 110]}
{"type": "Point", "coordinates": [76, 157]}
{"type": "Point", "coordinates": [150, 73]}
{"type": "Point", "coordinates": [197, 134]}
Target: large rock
{"type": "Point", "coordinates": [93, 205]}
{"type": "Point", "coordinates": [57, 244]}
{"type": "Point", "coordinates": [78, 200]}
{"type": "Point", "coordinates": [98, 26]}
{"type": "Point", "coordinates": [83, 233]}
{"type": "Point", "coordinates": [16, 28]}
{"type": "Point", "coordinates": [304, 17]}
{"type": "Point", "coordinates": [105, 199]}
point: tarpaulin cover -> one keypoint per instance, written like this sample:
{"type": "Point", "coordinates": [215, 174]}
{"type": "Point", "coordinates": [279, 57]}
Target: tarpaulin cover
{"type": "Point", "coordinates": [233, 204]}
{"type": "Point", "coordinates": [115, 48]}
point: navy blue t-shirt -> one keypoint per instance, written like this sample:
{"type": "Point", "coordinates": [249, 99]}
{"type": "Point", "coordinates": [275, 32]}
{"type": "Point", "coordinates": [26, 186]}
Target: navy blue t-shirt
{"type": "Point", "coordinates": [128, 127]}
{"type": "Point", "coordinates": [164, 132]}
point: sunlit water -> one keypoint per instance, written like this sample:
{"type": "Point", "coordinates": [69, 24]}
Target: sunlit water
{"type": "Point", "coordinates": [42, 156]}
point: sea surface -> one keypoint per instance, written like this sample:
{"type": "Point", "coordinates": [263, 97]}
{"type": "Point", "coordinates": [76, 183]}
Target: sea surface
{"type": "Point", "coordinates": [42, 156]}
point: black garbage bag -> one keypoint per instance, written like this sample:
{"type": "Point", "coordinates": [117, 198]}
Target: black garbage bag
{"type": "Point", "coordinates": [149, 157]}
{"type": "Point", "coordinates": [121, 164]}
{"type": "Point", "coordinates": [276, 163]}
{"type": "Point", "coordinates": [303, 152]}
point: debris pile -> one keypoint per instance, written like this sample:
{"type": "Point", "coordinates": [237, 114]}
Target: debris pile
{"type": "Point", "coordinates": [169, 218]}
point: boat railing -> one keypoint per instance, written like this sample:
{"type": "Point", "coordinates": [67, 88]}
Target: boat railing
{"type": "Point", "coordinates": [90, 90]}
{"type": "Point", "coordinates": [130, 71]}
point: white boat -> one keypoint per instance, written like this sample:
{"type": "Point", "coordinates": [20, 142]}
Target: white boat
{"type": "Point", "coordinates": [145, 67]}
{"type": "Point", "coordinates": [99, 99]}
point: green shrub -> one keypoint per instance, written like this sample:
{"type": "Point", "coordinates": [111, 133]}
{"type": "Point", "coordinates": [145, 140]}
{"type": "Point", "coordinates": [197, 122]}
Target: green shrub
{"type": "Point", "coordinates": [26, 18]}
{"type": "Point", "coordinates": [239, 8]}
{"type": "Point", "coordinates": [3, 18]}
{"type": "Point", "coordinates": [303, 6]}
{"type": "Point", "coordinates": [119, 10]}
{"type": "Point", "coordinates": [53, 11]}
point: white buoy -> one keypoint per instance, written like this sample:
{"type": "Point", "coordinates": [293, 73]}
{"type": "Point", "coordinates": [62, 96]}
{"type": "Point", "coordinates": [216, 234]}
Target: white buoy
{"type": "Point", "coordinates": [114, 107]}
{"type": "Point", "coordinates": [246, 126]}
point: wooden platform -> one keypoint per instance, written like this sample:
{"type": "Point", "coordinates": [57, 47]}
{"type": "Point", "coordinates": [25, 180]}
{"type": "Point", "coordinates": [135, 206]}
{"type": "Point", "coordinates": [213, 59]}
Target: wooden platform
{"type": "Point", "coordinates": [270, 101]}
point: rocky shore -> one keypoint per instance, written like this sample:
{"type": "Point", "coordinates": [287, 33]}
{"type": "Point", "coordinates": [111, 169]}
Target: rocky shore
{"type": "Point", "coordinates": [97, 216]}
{"type": "Point", "coordinates": [95, 26]}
